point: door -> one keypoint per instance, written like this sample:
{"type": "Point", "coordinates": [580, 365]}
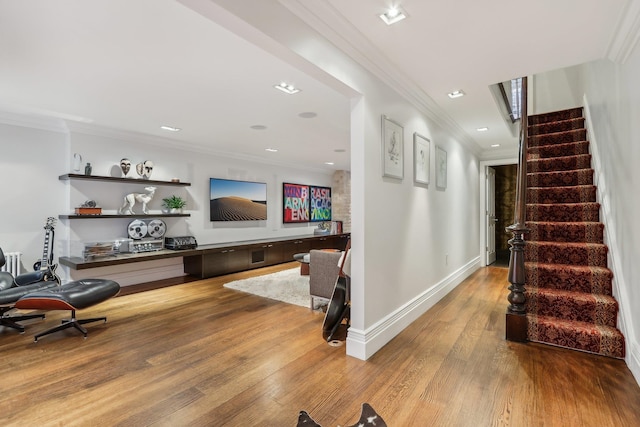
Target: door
{"type": "Point", "coordinates": [491, 215]}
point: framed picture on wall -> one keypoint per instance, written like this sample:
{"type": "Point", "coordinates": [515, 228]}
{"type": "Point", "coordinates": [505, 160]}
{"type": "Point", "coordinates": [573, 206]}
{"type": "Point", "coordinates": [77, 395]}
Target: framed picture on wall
{"type": "Point", "coordinates": [421, 158]}
{"type": "Point", "coordinates": [392, 149]}
{"type": "Point", "coordinates": [295, 207]}
{"type": "Point", "coordinates": [320, 203]}
{"type": "Point", "coordinates": [441, 168]}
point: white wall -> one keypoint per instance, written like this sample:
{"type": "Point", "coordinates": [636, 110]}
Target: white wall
{"type": "Point", "coordinates": [556, 90]}
{"type": "Point", "coordinates": [401, 232]}
{"type": "Point", "coordinates": [612, 97]}
{"type": "Point", "coordinates": [32, 155]}
{"type": "Point", "coordinates": [33, 159]}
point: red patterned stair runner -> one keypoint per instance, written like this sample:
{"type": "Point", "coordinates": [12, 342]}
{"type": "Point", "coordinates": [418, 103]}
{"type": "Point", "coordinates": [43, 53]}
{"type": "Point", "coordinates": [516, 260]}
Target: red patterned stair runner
{"type": "Point", "coordinates": [569, 301]}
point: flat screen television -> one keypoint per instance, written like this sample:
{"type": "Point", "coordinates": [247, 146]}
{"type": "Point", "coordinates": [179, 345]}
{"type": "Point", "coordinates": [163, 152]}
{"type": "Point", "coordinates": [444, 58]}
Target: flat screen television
{"type": "Point", "coordinates": [233, 200]}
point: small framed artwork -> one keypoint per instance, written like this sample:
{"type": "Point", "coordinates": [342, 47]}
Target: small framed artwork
{"type": "Point", "coordinates": [320, 203]}
{"type": "Point", "coordinates": [392, 149]}
{"type": "Point", "coordinates": [441, 168]}
{"type": "Point", "coordinates": [295, 198]}
{"type": "Point", "coordinates": [421, 158]}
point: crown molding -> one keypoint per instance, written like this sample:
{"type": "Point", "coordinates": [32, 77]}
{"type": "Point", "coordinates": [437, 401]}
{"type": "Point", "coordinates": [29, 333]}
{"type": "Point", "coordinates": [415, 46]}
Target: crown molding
{"type": "Point", "coordinates": [34, 122]}
{"type": "Point", "coordinates": [626, 37]}
{"type": "Point", "coordinates": [158, 141]}
{"type": "Point", "coordinates": [330, 24]}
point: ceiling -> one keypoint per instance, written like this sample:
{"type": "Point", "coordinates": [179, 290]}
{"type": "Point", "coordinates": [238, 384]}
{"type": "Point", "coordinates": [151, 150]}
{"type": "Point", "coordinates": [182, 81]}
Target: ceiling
{"type": "Point", "coordinates": [135, 65]}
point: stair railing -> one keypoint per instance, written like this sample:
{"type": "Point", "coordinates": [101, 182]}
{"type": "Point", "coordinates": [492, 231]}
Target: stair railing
{"type": "Point", "coordinates": [516, 319]}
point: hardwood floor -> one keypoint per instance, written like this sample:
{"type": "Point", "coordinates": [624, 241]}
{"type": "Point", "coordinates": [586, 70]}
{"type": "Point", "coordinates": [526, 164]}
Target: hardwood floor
{"type": "Point", "coordinates": [199, 354]}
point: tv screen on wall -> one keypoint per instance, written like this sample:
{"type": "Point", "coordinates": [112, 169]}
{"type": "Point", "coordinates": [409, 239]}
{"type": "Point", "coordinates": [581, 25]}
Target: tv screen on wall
{"type": "Point", "coordinates": [233, 200]}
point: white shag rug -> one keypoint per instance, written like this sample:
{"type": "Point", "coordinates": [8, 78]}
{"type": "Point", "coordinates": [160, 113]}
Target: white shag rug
{"type": "Point", "coordinates": [286, 286]}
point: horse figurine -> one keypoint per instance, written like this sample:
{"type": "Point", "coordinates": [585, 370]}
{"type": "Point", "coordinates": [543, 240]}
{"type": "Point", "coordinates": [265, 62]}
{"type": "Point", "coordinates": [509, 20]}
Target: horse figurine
{"type": "Point", "coordinates": [131, 199]}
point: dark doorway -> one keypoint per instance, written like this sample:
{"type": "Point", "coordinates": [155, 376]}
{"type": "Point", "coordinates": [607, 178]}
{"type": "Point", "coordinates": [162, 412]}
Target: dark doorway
{"type": "Point", "coordinates": [505, 198]}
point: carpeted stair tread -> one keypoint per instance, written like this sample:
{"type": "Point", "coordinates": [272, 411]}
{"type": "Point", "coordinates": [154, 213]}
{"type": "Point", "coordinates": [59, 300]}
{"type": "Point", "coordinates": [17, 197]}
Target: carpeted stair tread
{"type": "Point", "coordinates": [571, 305]}
{"type": "Point", "coordinates": [594, 254]}
{"type": "Point", "coordinates": [583, 231]}
{"type": "Point", "coordinates": [581, 161]}
{"type": "Point", "coordinates": [554, 116]}
{"type": "Point", "coordinates": [557, 126]}
{"type": "Point", "coordinates": [569, 299]}
{"type": "Point", "coordinates": [564, 212]}
{"type": "Point", "coordinates": [558, 150]}
{"type": "Point", "coordinates": [578, 278]}
{"type": "Point", "coordinates": [551, 195]}
{"type": "Point", "coordinates": [598, 339]}
{"type": "Point", "coordinates": [560, 178]}
{"type": "Point", "coordinates": [575, 135]}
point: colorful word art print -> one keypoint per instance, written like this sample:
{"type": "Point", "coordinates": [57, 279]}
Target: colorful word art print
{"type": "Point", "coordinates": [320, 204]}
{"type": "Point", "coordinates": [296, 203]}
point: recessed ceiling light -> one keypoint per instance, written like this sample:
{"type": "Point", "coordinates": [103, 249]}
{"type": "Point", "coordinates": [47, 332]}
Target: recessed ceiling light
{"type": "Point", "coordinates": [287, 88]}
{"type": "Point", "coordinates": [456, 94]}
{"type": "Point", "coordinates": [308, 115]}
{"type": "Point", "coordinates": [271, 150]}
{"type": "Point", "coordinates": [482, 129]}
{"type": "Point", "coordinates": [170, 128]}
{"type": "Point", "coordinates": [258, 127]}
{"type": "Point", "coordinates": [495, 145]}
{"type": "Point", "coordinates": [329, 163]}
{"type": "Point", "coordinates": [392, 15]}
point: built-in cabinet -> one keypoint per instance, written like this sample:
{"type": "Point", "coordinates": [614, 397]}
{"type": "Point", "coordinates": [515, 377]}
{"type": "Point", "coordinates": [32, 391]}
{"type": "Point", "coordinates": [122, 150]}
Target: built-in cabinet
{"type": "Point", "coordinates": [231, 259]}
{"type": "Point", "coordinates": [219, 259]}
{"type": "Point", "coordinates": [208, 260]}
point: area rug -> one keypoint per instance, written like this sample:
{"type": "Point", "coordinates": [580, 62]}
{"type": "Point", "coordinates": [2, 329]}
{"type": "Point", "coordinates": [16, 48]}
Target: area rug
{"type": "Point", "coordinates": [286, 286]}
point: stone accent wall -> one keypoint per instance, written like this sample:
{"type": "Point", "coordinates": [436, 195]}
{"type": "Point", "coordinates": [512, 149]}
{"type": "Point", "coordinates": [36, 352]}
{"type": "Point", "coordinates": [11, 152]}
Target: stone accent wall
{"type": "Point", "coordinates": [341, 199]}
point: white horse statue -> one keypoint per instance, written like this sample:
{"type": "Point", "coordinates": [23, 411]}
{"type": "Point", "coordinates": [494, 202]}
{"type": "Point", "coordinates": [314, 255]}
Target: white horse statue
{"type": "Point", "coordinates": [131, 199]}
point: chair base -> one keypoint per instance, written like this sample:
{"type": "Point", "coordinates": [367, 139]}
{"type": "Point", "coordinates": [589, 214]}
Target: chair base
{"type": "Point", "coordinates": [10, 321]}
{"type": "Point", "coordinates": [71, 323]}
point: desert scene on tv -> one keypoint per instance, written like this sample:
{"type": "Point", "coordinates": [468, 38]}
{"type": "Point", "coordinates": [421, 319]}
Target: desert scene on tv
{"type": "Point", "coordinates": [232, 200]}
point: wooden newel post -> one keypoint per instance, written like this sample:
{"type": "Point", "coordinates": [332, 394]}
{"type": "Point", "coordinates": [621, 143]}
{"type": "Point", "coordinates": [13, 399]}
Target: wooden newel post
{"type": "Point", "coordinates": [516, 328]}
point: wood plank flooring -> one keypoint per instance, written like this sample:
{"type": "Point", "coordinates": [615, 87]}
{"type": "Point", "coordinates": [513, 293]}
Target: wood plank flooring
{"type": "Point", "coordinates": [197, 354]}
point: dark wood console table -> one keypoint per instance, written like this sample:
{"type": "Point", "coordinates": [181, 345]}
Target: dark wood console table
{"type": "Point", "coordinates": [224, 258]}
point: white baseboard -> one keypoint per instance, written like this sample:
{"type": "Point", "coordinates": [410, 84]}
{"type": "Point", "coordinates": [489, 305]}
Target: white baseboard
{"type": "Point", "coordinates": [363, 344]}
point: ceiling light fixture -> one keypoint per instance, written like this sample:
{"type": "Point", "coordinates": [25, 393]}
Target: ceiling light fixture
{"type": "Point", "coordinates": [287, 88]}
{"type": "Point", "coordinates": [392, 15]}
{"type": "Point", "coordinates": [329, 163]}
{"type": "Point", "coordinates": [495, 145]}
{"type": "Point", "coordinates": [482, 129]}
{"type": "Point", "coordinates": [170, 128]}
{"type": "Point", "coordinates": [271, 150]}
{"type": "Point", "coordinates": [456, 94]}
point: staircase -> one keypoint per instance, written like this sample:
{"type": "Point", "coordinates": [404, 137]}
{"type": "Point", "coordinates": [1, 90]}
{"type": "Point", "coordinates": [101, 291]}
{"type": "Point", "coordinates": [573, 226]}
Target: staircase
{"type": "Point", "coordinates": [568, 285]}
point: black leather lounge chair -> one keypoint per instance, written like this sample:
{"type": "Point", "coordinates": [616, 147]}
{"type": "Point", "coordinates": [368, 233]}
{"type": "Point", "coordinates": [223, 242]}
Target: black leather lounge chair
{"type": "Point", "coordinates": [70, 296]}
{"type": "Point", "coordinates": [12, 289]}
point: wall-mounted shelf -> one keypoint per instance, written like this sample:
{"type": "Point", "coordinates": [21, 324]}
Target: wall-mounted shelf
{"type": "Point", "coordinates": [123, 216]}
{"type": "Point", "coordinates": [74, 176]}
